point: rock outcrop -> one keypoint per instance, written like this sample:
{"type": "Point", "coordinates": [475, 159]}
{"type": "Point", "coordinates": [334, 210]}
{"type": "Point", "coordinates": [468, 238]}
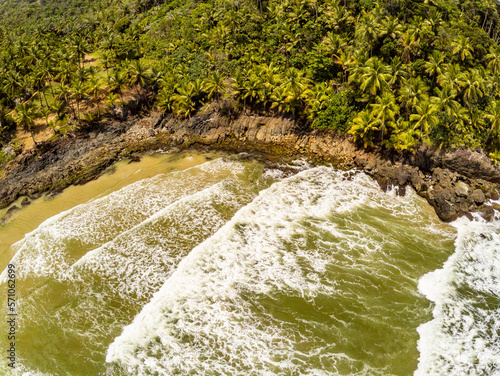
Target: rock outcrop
{"type": "Point", "coordinates": [455, 184]}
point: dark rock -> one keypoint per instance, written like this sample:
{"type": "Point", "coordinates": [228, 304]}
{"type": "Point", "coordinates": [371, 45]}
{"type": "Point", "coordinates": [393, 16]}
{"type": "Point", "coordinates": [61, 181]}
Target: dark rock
{"type": "Point", "coordinates": [134, 158]}
{"type": "Point", "coordinates": [417, 179]}
{"type": "Point", "coordinates": [487, 213]}
{"type": "Point", "coordinates": [436, 175]}
{"type": "Point", "coordinates": [120, 113]}
{"type": "Point", "coordinates": [444, 177]}
{"type": "Point", "coordinates": [156, 119]}
{"type": "Point", "coordinates": [494, 195]}
{"type": "Point", "coordinates": [478, 197]}
{"type": "Point", "coordinates": [25, 201]}
{"type": "Point", "coordinates": [443, 201]}
{"type": "Point", "coordinates": [402, 174]}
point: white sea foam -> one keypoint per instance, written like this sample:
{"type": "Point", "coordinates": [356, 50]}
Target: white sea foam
{"type": "Point", "coordinates": [61, 240]}
{"type": "Point", "coordinates": [279, 288]}
{"type": "Point", "coordinates": [291, 243]}
{"type": "Point", "coordinates": [91, 300]}
{"type": "Point", "coordinates": [464, 336]}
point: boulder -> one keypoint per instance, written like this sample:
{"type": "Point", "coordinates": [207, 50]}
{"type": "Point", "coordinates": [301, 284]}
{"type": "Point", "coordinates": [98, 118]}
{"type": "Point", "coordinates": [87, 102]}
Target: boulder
{"type": "Point", "coordinates": [478, 197]}
{"type": "Point", "coordinates": [462, 189]}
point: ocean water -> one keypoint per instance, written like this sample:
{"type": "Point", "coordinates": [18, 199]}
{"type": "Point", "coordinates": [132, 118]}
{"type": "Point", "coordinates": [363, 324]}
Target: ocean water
{"type": "Point", "coordinates": [227, 266]}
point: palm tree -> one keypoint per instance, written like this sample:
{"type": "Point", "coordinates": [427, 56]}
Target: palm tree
{"type": "Point", "coordinates": [296, 84]}
{"type": "Point", "coordinates": [12, 83]}
{"type": "Point", "coordinates": [473, 86]}
{"type": "Point", "coordinates": [78, 92]}
{"type": "Point", "coordinates": [385, 109]}
{"type": "Point", "coordinates": [434, 66]}
{"type": "Point", "coordinates": [252, 89]}
{"type": "Point", "coordinates": [461, 46]}
{"type": "Point", "coordinates": [117, 82]}
{"type": "Point", "coordinates": [270, 78]}
{"type": "Point", "coordinates": [106, 62]}
{"type": "Point", "coordinates": [64, 93]}
{"type": "Point", "coordinates": [83, 74]}
{"type": "Point", "coordinates": [411, 93]}
{"type": "Point", "coordinates": [25, 117]}
{"type": "Point", "coordinates": [368, 28]}
{"type": "Point", "coordinates": [452, 76]}
{"type": "Point", "coordinates": [399, 72]}
{"type": "Point", "coordinates": [493, 60]}
{"type": "Point", "coordinates": [424, 118]}
{"type": "Point", "coordinates": [94, 89]}
{"type": "Point", "coordinates": [165, 99]}
{"type": "Point", "coordinates": [139, 77]}
{"type": "Point", "coordinates": [362, 128]}
{"type": "Point", "coordinates": [375, 76]}
{"type": "Point", "coordinates": [493, 116]}
{"type": "Point", "coordinates": [391, 27]}
{"type": "Point", "coordinates": [183, 104]}
{"type": "Point", "coordinates": [409, 41]}
{"type": "Point", "coordinates": [279, 99]}
{"type": "Point", "coordinates": [215, 86]}
{"type": "Point", "coordinates": [317, 100]}
{"type": "Point", "coordinates": [445, 100]}
{"type": "Point", "coordinates": [80, 47]}
{"type": "Point", "coordinates": [65, 72]}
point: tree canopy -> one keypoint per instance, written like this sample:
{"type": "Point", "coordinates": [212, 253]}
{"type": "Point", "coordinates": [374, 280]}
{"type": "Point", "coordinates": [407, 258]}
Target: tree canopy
{"type": "Point", "coordinates": [390, 72]}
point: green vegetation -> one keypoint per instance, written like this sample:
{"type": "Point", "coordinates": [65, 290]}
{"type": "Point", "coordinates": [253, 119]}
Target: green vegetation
{"type": "Point", "coordinates": [395, 73]}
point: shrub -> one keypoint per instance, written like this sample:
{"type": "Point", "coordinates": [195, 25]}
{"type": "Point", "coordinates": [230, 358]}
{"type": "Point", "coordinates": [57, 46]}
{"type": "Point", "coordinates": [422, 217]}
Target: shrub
{"type": "Point", "coordinates": [337, 115]}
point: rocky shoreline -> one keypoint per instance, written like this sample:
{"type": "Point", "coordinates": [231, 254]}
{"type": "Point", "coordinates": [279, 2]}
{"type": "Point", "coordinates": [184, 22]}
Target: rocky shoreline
{"type": "Point", "coordinates": [454, 183]}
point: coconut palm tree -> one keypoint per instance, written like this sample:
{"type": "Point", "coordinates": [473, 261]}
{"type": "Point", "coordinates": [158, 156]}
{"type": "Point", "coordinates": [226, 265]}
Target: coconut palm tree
{"type": "Point", "coordinates": [473, 86]}
{"type": "Point", "coordinates": [94, 89]}
{"type": "Point", "coordinates": [279, 100]}
{"type": "Point", "coordinates": [117, 82]}
{"type": "Point", "coordinates": [451, 76]}
{"type": "Point", "coordinates": [25, 117]}
{"type": "Point", "coordinates": [139, 77]}
{"type": "Point", "coordinates": [12, 83]}
{"type": "Point", "coordinates": [462, 47]}
{"type": "Point", "coordinates": [80, 47]}
{"type": "Point", "coordinates": [410, 42]}
{"type": "Point", "coordinates": [183, 103]}
{"type": "Point", "coordinates": [493, 116]}
{"type": "Point", "coordinates": [425, 118]}
{"type": "Point", "coordinates": [399, 72]}
{"type": "Point", "coordinates": [78, 92]}
{"type": "Point", "coordinates": [385, 109]}
{"type": "Point", "coordinates": [165, 99]}
{"type": "Point", "coordinates": [493, 59]}
{"type": "Point", "coordinates": [411, 93]}
{"type": "Point", "coordinates": [368, 29]}
{"type": "Point", "coordinates": [435, 64]}
{"type": "Point", "coordinates": [362, 128]}
{"type": "Point", "coordinates": [375, 76]}
{"type": "Point", "coordinates": [215, 86]}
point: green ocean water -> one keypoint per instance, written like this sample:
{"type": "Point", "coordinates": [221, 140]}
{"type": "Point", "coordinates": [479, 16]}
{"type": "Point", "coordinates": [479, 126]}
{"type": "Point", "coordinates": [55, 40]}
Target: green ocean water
{"type": "Point", "coordinates": [220, 265]}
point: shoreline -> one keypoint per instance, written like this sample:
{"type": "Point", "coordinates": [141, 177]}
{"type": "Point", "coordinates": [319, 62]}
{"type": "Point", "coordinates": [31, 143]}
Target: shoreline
{"type": "Point", "coordinates": [455, 183]}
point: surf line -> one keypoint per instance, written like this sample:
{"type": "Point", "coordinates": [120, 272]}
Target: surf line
{"type": "Point", "coordinates": [11, 315]}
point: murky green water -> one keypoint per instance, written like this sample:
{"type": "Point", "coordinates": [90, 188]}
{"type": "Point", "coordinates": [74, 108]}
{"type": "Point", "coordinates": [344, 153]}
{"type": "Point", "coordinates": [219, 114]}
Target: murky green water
{"type": "Point", "coordinates": [210, 265]}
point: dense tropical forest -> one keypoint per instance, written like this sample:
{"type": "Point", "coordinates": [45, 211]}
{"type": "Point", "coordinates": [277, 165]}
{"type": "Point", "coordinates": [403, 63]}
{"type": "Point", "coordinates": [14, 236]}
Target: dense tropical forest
{"type": "Point", "coordinates": [394, 73]}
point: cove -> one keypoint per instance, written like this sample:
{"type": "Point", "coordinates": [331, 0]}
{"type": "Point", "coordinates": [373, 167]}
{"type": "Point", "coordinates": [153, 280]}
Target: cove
{"type": "Point", "coordinates": [221, 264]}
